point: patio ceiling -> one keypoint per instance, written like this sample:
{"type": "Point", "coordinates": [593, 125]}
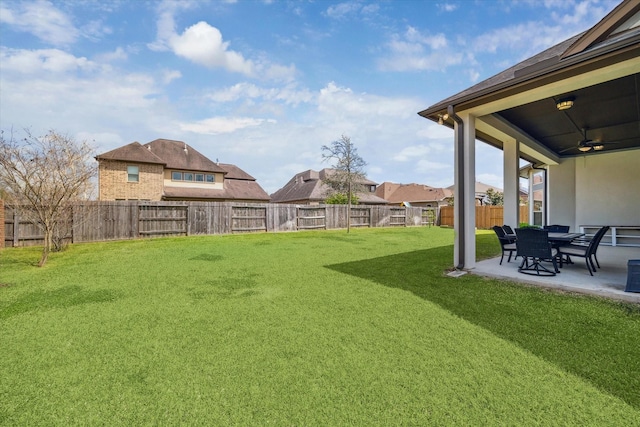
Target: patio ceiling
{"type": "Point", "coordinates": [609, 112]}
{"type": "Point", "coordinates": [598, 69]}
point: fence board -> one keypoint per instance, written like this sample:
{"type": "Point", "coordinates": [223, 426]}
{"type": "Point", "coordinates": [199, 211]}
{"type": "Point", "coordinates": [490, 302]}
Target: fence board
{"type": "Point", "coordinates": [249, 218]}
{"type": "Point", "coordinates": [486, 216]}
{"type": "Point", "coordinates": [311, 217]}
{"type": "Point", "coordinates": [121, 220]}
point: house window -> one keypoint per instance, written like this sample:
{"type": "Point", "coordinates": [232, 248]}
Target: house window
{"type": "Point", "coordinates": [372, 188]}
{"type": "Point", "coordinates": [193, 177]}
{"type": "Point", "coordinates": [133, 174]}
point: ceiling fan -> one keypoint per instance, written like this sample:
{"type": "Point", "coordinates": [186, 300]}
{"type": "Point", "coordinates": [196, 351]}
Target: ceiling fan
{"type": "Point", "coordinates": [587, 145]}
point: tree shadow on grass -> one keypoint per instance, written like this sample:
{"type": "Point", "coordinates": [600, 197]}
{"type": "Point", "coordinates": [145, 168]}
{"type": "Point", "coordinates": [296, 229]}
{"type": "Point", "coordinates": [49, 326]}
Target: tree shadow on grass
{"type": "Point", "coordinates": [68, 296]}
{"type": "Point", "coordinates": [596, 339]}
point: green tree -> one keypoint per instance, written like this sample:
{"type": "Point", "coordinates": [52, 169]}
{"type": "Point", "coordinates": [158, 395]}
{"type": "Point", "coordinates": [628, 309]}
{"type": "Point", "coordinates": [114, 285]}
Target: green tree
{"type": "Point", "coordinates": [341, 199]}
{"type": "Point", "coordinates": [41, 176]}
{"type": "Point", "coordinates": [495, 198]}
{"type": "Point", "coordinates": [348, 173]}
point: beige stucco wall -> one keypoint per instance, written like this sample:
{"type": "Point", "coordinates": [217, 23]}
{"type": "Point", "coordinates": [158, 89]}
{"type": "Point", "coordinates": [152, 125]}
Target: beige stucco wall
{"type": "Point", "coordinates": [561, 193]}
{"type": "Point", "coordinates": [606, 188]}
{"type": "Point", "coordinates": [114, 186]}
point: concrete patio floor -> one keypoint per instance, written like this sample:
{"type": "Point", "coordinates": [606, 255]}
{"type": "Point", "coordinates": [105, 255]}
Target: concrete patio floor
{"type": "Point", "coordinates": [608, 281]}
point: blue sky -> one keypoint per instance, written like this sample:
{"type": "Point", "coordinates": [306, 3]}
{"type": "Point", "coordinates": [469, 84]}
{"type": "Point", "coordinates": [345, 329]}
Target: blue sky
{"type": "Point", "coordinates": [264, 84]}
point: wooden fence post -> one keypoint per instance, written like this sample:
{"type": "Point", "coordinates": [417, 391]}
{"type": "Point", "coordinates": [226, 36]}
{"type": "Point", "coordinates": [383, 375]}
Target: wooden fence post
{"type": "Point", "coordinates": [16, 227]}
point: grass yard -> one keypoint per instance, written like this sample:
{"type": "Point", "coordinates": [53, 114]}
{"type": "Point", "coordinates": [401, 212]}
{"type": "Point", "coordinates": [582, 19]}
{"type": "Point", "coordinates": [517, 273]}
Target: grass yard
{"type": "Point", "coordinates": [307, 329]}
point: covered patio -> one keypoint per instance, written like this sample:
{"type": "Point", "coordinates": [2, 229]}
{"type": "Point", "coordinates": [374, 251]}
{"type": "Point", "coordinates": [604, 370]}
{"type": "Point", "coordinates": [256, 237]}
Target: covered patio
{"type": "Point", "coordinates": [608, 281]}
{"type": "Point", "coordinates": [573, 113]}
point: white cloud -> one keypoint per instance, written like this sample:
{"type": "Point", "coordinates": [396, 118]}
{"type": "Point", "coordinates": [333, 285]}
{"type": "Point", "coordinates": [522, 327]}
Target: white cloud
{"type": "Point", "coordinates": [340, 10]}
{"type": "Point", "coordinates": [43, 60]}
{"type": "Point", "coordinates": [414, 51]}
{"type": "Point", "coordinates": [40, 18]}
{"type": "Point", "coordinates": [411, 152]}
{"type": "Point", "coordinates": [221, 125]}
{"type": "Point", "coordinates": [425, 166]}
{"type": "Point", "coordinates": [45, 21]}
{"type": "Point", "coordinates": [170, 75]}
{"type": "Point", "coordinates": [289, 94]}
{"type": "Point", "coordinates": [448, 7]}
{"type": "Point", "coordinates": [201, 43]}
{"type": "Point", "coordinates": [117, 55]}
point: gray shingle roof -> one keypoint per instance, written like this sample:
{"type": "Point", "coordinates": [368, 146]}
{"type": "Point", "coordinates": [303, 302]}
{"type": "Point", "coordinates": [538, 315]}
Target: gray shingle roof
{"type": "Point", "coordinates": [414, 193]}
{"type": "Point", "coordinates": [178, 155]}
{"type": "Point", "coordinates": [308, 187]}
{"type": "Point", "coordinates": [134, 152]}
{"type": "Point", "coordinates": [233, 190]}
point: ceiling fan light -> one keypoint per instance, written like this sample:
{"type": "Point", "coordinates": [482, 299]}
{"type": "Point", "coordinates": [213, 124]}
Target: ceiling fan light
{"type": "Point", "coordinates": [598, 147]}
{"type": "Point", "coordinates": [565, 103]}
{"type": "Point", "coordinates": [584, 148]}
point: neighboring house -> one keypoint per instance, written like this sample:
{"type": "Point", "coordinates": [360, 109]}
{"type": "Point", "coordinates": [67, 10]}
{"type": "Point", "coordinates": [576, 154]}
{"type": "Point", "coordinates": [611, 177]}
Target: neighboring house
{"type": "Point", "coordinates": [573, 112]}
{"type": "Point", "coordinates": [308, 188]}
{"type": "Point", "coordinates": [171, 170]}
{"type": "Point", "coordinates": [481, 192]}
{"type": "Point", "coordinates": [414, 194]}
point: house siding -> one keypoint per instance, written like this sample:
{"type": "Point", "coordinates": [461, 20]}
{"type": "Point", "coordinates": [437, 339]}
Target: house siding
{"type": "Point", "coordinates": [114, 184]}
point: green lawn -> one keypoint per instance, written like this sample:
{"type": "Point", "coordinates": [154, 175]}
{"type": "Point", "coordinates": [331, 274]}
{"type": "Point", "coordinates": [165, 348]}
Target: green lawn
{"type": "Point", "coordinates": [312, 328]}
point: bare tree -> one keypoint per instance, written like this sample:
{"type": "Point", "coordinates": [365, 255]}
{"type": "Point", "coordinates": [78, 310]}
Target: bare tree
{"type": "Point", "coordinates": [42, 176]}
{"type": "Point", "coordinates": [348, 168]}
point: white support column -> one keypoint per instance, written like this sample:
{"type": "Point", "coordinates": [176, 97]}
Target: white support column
{"type": "Point", "coordinates": [465, 191]}
{"type": "Point", "coordinates": [470, 190]}
{"type": "Point", "coordinates": [511, 167]}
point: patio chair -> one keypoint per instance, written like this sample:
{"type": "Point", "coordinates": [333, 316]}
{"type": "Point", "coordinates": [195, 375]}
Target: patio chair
{"type": "Point", "coordinates": [534, 248]}
{"type": "Point", "coordinates": [506, 243]}
{"type": "Point", "coordinates": [588, 251]}
{"type": "Point", "coordinates": [507, 229]}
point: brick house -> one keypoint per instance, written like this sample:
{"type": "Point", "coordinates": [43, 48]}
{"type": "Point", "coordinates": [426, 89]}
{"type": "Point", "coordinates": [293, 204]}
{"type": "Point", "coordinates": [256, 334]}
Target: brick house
{"type": "Point", "coordinates": [308, 188]}
{"type": "Point", "coordinates": [414, 194]}
{"type": "Point", "coordinates": [164, 169]}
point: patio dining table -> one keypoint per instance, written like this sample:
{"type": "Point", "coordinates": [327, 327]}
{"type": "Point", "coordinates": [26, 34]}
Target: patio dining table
{"type": "Point", "coordinates": [559, 238]}
{"type": "Point", "coordinates": [556, 238]}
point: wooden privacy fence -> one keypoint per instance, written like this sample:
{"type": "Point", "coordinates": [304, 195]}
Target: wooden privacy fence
{"type": "Point", "coordinates": [486, 216]}
{"type": "Point", "coordinates": [120, 220]}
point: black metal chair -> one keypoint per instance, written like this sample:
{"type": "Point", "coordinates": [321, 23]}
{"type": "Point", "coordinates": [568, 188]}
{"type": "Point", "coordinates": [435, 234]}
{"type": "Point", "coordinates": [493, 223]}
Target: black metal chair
{"type": "Point", "coordinates": [588, 252]}
{"type": "Point", "coordinates": [506, 243]}
{"type": "Point", "coordinates": [534, 248]}
{"type": "Point", "coordinates": [507, 229]}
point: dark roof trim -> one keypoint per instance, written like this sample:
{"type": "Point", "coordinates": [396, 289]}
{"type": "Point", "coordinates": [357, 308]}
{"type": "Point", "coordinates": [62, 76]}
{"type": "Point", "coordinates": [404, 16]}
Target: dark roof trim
{"type": "Point", "coordinates": [622, 50]}
{"type": "Point", "coordinates": [604, 28]}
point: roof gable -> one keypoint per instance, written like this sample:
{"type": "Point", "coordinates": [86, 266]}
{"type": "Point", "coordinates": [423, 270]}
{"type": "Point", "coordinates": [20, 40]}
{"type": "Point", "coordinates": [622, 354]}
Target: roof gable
{"type": "Point", "coordinates": [623, 18]}
{"type": "Point", "coordinates": [134, 152]}
{"type": "Point", "coordinates": [308, 186]}
{"type": "Point", "coordinates": [234, 172]}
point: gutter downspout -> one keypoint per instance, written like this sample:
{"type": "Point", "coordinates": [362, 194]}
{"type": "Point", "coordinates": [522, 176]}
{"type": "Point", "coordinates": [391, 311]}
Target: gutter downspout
{"type": "Point", "coordinates": [460, 203]}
